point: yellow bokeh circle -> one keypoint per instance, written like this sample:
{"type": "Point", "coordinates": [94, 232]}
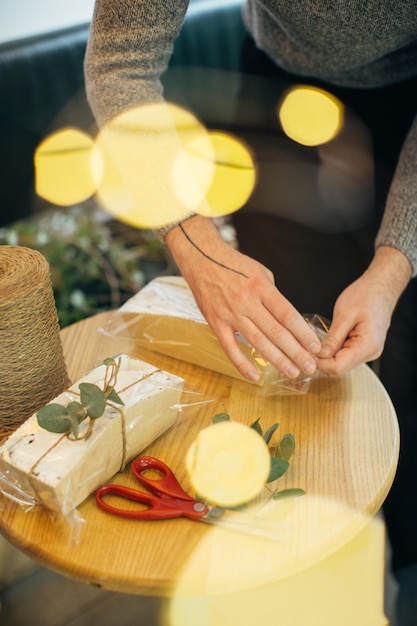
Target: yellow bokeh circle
{"type": "Point", "coordinates": [63, 173]}
{"type": "Point", "coordinates": [145, 176]}
{"type": "Point", "coordinates": [310, 116]}
{"type": "Point", "coordinates": [150, 166]}
{"type": "Point", "coordinates": [157, 164]}
{"type": "Point", "coordinates": [234, 176]}
{"type": "Point", "coordinates": [228, 463]}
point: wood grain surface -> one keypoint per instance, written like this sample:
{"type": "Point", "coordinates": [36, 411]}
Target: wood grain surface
{"type": "Point", "coordinates": [347, 446]}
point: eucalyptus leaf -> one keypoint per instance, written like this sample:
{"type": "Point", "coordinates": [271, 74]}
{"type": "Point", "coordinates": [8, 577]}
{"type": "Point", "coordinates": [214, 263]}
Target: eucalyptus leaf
{"type": "Point", "coordinates": [59, 419]}
{"type": "Point", "coordinates": [270, 432]}
{"type": "Point", "coordinates": [54, 417]}
{"type": "Point", "coordinates": [93, 399]}
{"type": "Point", "coordinates": [286, 447]}
{"type": "Point", "coordinates": [278, 468]}
{"type": "Point", "coordinates": [288, 493]}
{"type": "Point", "coordinates": [76, 411]}
{"type": "Point", "coordinates": [113, 396]}
{"type": "Point", "coordinates": [220, 417]}
{"type": "Point", "coordinates": [256, 426]}
{"type": "Point", "coordinates": [74, 423]}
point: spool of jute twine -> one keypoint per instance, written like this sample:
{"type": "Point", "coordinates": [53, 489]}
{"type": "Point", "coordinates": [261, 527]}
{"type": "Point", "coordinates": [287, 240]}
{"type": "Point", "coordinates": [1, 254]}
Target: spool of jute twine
{"type": "Point", "coordinates": [32, 366]}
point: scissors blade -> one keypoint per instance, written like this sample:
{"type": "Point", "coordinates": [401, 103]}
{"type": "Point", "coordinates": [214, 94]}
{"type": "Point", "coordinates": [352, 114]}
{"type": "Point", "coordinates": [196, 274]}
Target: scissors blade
{"type": "Point", "coordinates": [254, 520]}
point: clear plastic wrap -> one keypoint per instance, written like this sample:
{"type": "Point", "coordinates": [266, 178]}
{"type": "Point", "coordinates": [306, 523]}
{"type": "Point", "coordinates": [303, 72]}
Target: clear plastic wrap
{"type": "Point", "coordinates": [39, 467]}
{"type": "Point", "coordinates": [164, 317]}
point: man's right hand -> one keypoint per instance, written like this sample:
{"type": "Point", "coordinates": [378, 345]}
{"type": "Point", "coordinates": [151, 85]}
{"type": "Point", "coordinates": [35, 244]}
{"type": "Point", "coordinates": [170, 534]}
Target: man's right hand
{"type": "Point", "coordinates": [237, 294]}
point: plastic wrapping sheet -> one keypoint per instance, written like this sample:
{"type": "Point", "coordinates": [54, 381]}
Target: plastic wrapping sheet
{"type": "Point", "coordinates": [39, 467]}
{"type": "Point", "coordinates": [164, 317]}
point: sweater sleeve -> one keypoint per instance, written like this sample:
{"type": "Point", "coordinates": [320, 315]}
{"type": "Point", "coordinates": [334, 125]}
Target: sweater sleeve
{"type": "Point", "coordinates": [399, 224]}
{"type": "Point", "coordinates": [129, 48]}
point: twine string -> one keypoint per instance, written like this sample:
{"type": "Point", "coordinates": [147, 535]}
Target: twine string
{"type": "Point", "coordinates": [123, 433]}
{"type": "Point", "coordinates": [32, 366]}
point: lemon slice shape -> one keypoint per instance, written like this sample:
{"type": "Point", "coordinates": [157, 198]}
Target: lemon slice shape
{"type": "Point", "coordinates": [228, 463]}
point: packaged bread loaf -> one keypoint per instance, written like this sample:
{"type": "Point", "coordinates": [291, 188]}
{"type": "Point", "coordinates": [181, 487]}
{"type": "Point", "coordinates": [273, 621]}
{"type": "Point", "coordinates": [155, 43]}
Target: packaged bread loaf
{"type": "Point", "coordinates": [59, 470]}
{"type": "Point", "coordinates": [164, 317]}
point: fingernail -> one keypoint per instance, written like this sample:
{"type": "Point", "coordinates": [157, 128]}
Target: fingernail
{"type": "Point", "coordinates": [309, 367]}
{"type": "Point", "coordinates": [292, 371]}
{"type": "Point", "coordinates": [325, 352]}
{"type": "Point", "coordinates": [253, 375]}
{"type": "Point", "coordinates": [315, 346]}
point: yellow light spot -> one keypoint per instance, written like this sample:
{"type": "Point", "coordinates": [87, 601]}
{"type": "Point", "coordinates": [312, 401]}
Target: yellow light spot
{"type": "Point", "coordinates": [225, 170]}
{"type": "Point", "coordinates": [147, 177]}
{"type": "Point", "coordinates": [240, 579]}
{"type": "Point", "coordinates": [310, 116]}
{"type": "Point", "coordinates": [63, 172]}
{"type": "Point", "coordinates": [234, 176]}
{"type": "Point", "coordinates": [228, 463]}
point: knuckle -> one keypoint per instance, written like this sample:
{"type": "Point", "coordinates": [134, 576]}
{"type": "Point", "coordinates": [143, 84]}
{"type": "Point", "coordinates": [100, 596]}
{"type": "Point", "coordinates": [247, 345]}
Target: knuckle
{"type": "Point", "coordinates": [254, 288]}
{"type": "Point", "coordinates": [285, 366]}
{"type": "Point", "coordinates": [300, 356]}
{"type": "Point", "coordinates": [288, 317]}
{"type": "Point", "coordinates": [257, 340]}
{"type": "Point", "coordinates": [333, 342]}
{"type": "Point", "coordinates": [276, 332]}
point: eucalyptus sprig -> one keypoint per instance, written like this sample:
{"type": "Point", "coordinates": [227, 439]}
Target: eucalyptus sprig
{"type": "Point", "coordinates": [58, 418]}
{"type": "Point", "coordinates": [280, 454]}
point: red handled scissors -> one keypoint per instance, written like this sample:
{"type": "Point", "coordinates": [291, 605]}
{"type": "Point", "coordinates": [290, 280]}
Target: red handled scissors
{"type": "Point", "coordinates": [169, 500]}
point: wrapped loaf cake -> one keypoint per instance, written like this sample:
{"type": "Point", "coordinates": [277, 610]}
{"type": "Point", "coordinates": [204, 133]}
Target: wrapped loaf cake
{"type": "Point", "coordinates": [58, 471]}
{"type": "Point", "coordinates": [164, 317]}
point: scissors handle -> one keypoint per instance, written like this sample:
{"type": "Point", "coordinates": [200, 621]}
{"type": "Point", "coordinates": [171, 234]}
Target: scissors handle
{"type": "Point", "coordinates": [168, 485]}
{"type": "Point", "coordinates": [156, 507]}
{"type": "Point", "coordinates": [169, 501]}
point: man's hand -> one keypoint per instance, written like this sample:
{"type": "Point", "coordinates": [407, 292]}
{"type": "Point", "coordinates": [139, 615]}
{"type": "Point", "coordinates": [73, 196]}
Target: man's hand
{"type": "Point", "coordinates": [362, 313]}
{"type": "Point", "coordinates": [237, 294]}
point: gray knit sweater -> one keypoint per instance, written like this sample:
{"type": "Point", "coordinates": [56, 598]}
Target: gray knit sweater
{"type": "Point", "coordinates": [344, 42]}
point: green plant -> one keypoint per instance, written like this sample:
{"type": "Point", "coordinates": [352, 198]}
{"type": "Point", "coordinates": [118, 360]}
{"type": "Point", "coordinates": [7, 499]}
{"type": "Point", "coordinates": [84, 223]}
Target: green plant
{"type": "Point", "coordinates": [95, 264]}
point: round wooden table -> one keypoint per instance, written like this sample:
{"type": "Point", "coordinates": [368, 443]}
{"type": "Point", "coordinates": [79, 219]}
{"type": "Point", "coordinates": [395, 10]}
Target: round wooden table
{"type": "Point", "coordinates": [347, 445]}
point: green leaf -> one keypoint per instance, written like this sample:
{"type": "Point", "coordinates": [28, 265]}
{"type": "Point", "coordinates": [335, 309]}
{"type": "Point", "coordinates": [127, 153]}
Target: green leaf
{"type": "Point", "coordinates": [76, 411]}
{"type": "Point", "coordinates": [109, 361]}
{"type": "Point", "coordinates": [113, 396]}
{"type": "Point", "coordinates": [74, 425]}
{"type": "Point", "coordinates": [93, 399]}
{"type": "Point", "coordinates": [270, 432]}
{"type": "Point", "coordinates": [286, 447]}
{"type": "Point", "coordinates": [256, 426]}
{"type": "Point", "coordinates": [220, 417]}
{"type": "Point", "coordinates": [278, 468]}
{"type": "Point", "coordinates": [54, 417]}
{"type": "Point", "coordinates": [288, 493]}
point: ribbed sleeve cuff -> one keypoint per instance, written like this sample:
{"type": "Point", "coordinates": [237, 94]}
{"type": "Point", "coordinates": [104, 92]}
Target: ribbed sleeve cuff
{"type": "Point", "coordinates": [162, 232]}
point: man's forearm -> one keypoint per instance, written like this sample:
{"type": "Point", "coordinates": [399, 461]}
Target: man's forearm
{"type": "Point", "coordinates": [393, 268]}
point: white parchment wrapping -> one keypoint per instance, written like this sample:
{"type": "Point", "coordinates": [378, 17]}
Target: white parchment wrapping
{"type": "Point", "coordinates": [164, 317]}
{"type": "Point", "coordinates": [59, 472]}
